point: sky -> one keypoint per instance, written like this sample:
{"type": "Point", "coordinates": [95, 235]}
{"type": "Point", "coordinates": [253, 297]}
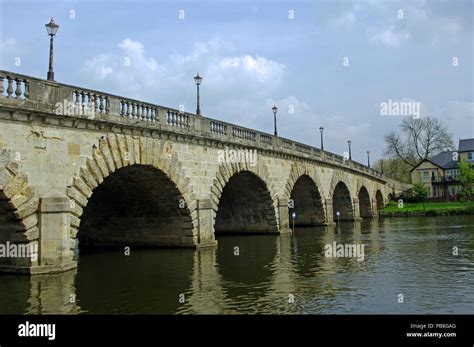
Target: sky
{"type": "Point", "coordinates": [323, 63]}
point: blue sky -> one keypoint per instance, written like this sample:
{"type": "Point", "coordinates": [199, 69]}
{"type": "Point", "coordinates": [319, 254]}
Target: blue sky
{"type": "Point", "coordinates": [256, 53]}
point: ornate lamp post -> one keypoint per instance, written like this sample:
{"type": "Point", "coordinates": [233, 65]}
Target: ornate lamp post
{"type": "Point", "coordinates": [275, 110]}
{"type": "Point", "coordinates": [52, 29]}
{"type": "Point", "coordinates": [350, 154]}
{"type": "Point", "coordinates": [198, 80]}
{"type": "Point", "coordinates": [368, 158]}
{"type": "Point", "coordinates": [321, 129]}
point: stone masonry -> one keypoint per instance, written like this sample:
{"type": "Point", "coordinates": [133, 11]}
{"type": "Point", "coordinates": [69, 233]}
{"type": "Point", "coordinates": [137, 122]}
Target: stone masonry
{"type": "Point", "coordinates": [111, 170]}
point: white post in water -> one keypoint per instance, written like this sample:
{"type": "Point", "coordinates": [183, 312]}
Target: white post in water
{"type": "Point", "coordinates": [293, 217]}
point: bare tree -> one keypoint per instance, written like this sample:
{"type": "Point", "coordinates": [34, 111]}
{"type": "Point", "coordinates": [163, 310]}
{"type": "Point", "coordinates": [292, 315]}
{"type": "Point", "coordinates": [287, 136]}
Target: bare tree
{"type": "Point", "coordinates": [419, 139]}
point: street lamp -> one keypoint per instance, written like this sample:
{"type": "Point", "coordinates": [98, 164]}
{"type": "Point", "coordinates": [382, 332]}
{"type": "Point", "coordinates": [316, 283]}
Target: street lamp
{"type": "Point", "coordinates": [321, 129]}
{"type": "Point", "coordinates": [275, 110]}
{"type": "Point", "coordinates": [198, 80]}
{"type": "Point", "coordinates": [368, 158]}
{"type": "Point", "coordinates": [350, 155]}
{"type": "Point", "coordinates": [52, 29]}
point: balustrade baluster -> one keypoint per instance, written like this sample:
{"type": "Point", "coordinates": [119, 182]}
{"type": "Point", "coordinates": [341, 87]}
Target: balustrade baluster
{"type": "Point", "coordinates": [139, 110]}
{"type": "Point", "coordinates": [107, 105]}
{"type": "Point", "coordinates": [83, 102]}
{"type": "Point", "coordinates": [76, 102]}
{"type": "Point", "coordinates": [2, 87]}
{"type": "Point", "coordinates": [96, 103]}
{"type": "Point", "coordinates": [92, 103]}
{"type": "Point", "coordinates": [10, 87]}
{"type": "Point", "coordinates": [18, 88]}
{"type": "Point", "coordinates": [27, 88]}
{"type": "Point", "coordinates": [101, 106]}
{"type": "Point", "coordinates": [88, 101]}
{"type": "Point", "coordinates": [127, 111]}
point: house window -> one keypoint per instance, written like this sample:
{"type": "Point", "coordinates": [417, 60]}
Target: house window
{"type": "Point", "coordinates": [435, 192]}
{"type": "Point", "coordinates": [470, 156]}
{"type": "Point", "coordinates": [425, 176]}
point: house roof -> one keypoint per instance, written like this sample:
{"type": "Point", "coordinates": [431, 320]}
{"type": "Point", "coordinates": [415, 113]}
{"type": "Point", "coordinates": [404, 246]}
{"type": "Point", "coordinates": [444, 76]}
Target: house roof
{"type": "Point", "coordinates": [445, 160]}
{"type": "Point", "coordinates": [466, 145]}
{"type": "Point", "coordinates": [421, 162]}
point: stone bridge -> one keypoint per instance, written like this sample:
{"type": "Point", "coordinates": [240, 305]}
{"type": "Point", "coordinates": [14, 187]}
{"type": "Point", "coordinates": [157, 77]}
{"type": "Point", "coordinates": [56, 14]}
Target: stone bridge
{"type": "Point", "coordinates": [80, 165]}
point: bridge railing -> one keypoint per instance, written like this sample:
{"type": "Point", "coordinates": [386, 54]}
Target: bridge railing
{"type": "Point", "coordinates": [67, 100]}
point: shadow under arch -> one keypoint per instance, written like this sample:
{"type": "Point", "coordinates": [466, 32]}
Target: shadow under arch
{"type": "Point", "coordinates": [342, 203]}
{"type": "Point", "coordinates": [364, 203]}
{"type": "Point", "coordinates": [245, 206]}
{"type": "Point", "coordinates": [136, 205]}
{"type": "Point", "coordinates": [308, 204]}
{"type": "Point", "coordinates": [379, 200]}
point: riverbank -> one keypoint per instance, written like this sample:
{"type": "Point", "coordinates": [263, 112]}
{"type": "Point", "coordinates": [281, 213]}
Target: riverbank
{"type": "Point", "coordinates": [431, 209]}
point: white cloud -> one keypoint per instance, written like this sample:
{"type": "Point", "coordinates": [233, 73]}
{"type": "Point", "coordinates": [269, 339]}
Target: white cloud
{"type": "Point", "coordinates": [7, 43]}
{"type": "Point", "coordinates": [388, 37]}
{"type": "Point", "coordinates": [260, 69]}
{"type": "Point", "coordinates": [231, 84]}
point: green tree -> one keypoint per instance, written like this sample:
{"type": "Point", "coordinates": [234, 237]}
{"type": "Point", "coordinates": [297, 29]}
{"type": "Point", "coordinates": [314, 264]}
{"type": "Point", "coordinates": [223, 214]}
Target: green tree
{"type": "Point", "coordinates": [466, 178]}
{"type": "Point", "coordinates": [421, 192]}
{"type": "Point", "coordinates": [394, 168]}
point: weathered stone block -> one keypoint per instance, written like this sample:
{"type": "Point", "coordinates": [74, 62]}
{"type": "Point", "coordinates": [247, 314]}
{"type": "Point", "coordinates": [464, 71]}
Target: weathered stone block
{"type": "Point", "coordinates": [73, 149]}
{"type": "Point", "coordinates": [27, 209]}
{"type": "Point", "coordinates": [15, 185]}
{"type": "Point", "coordinates": [81, 186]}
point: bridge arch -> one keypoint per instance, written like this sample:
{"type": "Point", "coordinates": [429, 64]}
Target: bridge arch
{"type": "Point", "coordinates": [365, 205]}
{"type": "Point", "coordinates": [379, 200]}
{"type": "Point", "coordinates": [341, 194]}
{"type": "Point", "coordinates": [18, 211]}
{"type": "Point", "coordinates": [303, 188]}
{"type": "Point", "coordinates": [242, 201]}
{"type": "Point", "coordinates": [143, 174]}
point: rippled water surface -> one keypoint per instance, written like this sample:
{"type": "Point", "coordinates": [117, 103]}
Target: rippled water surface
{"type": "Point", "coordinates": [413, 257]}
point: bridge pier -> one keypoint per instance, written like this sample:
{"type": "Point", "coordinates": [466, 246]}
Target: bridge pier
{"type": "Point", "coordinates": [206, 236]}
{"type": "Point", "coordinates": [55, 253]}
{"type": "Point", "coordinates": [329, 211]}
{"type": "Point", "coordinates": [375, 209]}
{"type": "Point", "coordinates": [356, 209]}
{"type": "Point", "coordinates": [283, 218]}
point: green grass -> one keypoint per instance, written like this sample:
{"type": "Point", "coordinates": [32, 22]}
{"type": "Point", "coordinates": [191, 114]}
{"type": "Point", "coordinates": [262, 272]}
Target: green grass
{"type": "Point", "coordinates": [430, 206]}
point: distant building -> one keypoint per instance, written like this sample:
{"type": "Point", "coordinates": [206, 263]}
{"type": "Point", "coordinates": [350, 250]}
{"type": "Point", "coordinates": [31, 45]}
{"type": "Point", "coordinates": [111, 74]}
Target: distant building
{"type": "Point", "coordinates": [440, 174]}
{"type": "Point", "coordinates": [466, 150]}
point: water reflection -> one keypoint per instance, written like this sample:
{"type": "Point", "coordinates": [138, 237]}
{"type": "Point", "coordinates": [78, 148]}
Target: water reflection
{"type": "Point", "coordinates": [413, 257]}
{"type": "Point", "coordinates": [40, 294]}
{"type": "Point", "coordinates": [146, 281]}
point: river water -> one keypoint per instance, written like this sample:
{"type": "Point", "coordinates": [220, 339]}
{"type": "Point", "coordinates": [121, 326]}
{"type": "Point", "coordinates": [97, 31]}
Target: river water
{"type": "Point", "coordinates": [408, 267]}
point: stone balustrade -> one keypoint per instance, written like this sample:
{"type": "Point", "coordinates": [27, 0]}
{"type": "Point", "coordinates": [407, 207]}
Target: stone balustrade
{"type": "Point", "coordinates": [45, 96]}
